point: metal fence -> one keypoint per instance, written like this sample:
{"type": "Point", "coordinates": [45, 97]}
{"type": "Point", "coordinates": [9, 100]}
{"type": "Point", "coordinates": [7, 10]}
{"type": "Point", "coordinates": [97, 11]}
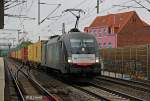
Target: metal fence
{"type": "Point", "coordinates": [131, 62]}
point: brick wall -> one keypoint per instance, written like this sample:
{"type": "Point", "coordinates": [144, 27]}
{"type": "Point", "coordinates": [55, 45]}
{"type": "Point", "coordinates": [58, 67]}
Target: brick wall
{"type": "Point", "coordinates": [133, 33]}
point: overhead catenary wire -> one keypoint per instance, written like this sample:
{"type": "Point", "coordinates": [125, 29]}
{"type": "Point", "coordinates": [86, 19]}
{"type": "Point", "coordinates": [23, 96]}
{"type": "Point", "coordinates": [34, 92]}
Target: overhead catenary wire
{"type": "Point", "coordinates": [8, 4]}
{"type": "Point", "coordinates": [72, 21]}
{"type": "Point", "coordinates": [26, 13]}
{"type": "Point", "coordinates": [61, 16]}
{"type": "Point", "coordinates": [102, 11]}
{"type": "Point", "coordinates": [28, 10]}
{"type": "Point", "coordinates": [21, 21]}
{"type": "Point", "coordinates": [78, 5]}
{"type": "Point", "coordinates": [91, 13]}
{"type": "Point", "coordinates": [132, 6]}
{"type": "Point", "coordinates": [81, 3]}
{"type": "Point", "coordinates": [85, 4]}
{"type": "Point", "coordinates": [58, 20]}
{"type": "Point", "coordinates": [142, 5]}
{"type": "Point", "coordinates": [148, 1]}
{"type": "Point", "coordinates": [50, 13]}
{"type": "Point", "coordinates": [13, 5]}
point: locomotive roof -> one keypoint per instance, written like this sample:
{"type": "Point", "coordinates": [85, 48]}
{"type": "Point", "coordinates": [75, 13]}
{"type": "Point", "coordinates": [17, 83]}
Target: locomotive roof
{"type": "Point", "coordinates": [78, 34]}
{"type": "Point", "coordinates": [53, 39]}
{"type": "Point", "coordinates": [68, 35]}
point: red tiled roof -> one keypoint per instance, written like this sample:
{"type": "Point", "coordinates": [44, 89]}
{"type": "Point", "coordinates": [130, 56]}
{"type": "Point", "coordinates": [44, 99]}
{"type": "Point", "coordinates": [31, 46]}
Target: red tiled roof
{"type": "Point", "coordinates": [119, 19]}
{"type": "Point", "coordinates": [145, 24]}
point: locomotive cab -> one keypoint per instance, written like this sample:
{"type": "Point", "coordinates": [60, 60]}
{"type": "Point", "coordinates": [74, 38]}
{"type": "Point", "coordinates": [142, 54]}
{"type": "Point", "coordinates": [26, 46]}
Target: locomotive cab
{"type": "Point", "coordinates": [82, 56]}
{"type": "Point", "coordinates": [74, 53]}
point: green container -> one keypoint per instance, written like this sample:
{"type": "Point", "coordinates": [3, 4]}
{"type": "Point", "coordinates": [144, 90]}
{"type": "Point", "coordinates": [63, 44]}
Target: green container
{"type": "Point", "coordinates": [3, 53]}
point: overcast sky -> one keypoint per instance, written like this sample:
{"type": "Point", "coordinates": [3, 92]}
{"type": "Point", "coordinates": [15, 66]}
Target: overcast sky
{"type": "Point", "coordinates": [54, 26]}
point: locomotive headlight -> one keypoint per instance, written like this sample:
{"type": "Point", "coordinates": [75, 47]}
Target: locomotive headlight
{"type": "Point", "coordinates": [97, 60]}
{"type": "Point", "coordinates": [69, 60]}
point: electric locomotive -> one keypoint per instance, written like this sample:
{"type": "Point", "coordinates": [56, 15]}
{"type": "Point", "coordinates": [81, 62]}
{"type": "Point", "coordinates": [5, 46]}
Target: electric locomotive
{"type": "Point", "coordinates": [72, 53]}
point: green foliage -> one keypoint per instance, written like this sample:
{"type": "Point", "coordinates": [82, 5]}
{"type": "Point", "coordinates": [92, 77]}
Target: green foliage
{"type": "Point", "coordinates": [24, 44]}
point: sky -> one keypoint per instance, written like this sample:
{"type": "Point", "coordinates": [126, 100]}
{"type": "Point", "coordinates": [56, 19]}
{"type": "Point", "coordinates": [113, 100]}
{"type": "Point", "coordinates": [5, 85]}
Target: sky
{"type": "Point", "coordinates": [53, 26]}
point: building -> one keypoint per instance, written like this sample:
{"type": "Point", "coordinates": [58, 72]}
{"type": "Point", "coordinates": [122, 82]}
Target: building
{"type": "Point", "coordinates": [119, 30]}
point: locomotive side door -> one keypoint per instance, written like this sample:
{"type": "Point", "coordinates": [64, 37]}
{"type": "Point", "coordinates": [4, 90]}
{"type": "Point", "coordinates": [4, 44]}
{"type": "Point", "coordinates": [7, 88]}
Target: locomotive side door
{"type": "Point", "coordinates": [61, 56]}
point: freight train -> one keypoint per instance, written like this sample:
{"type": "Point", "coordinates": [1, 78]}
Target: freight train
{"type": "Point", "coordinates": [70, 53]}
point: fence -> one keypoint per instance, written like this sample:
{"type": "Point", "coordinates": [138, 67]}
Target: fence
{"type": "Point", "coordinates": [132, 62]}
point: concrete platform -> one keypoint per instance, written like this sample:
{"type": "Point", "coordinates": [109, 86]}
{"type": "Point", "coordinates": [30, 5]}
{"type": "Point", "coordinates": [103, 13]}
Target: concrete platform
{"type": "Point", "coordinates": [2, 79]}
{"type": "Point", "coordinates": [116, 75]}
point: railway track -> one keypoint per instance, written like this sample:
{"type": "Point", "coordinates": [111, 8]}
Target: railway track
{"type": "Point", "coordinates": [66, 92]}
{"type": "Point", "coordinates": [45, 92]}
{"type": "Point", "coordinates": [94, 94]}
{"type": "Point", "coordinates": [105, 94]}
{"type": "Point", "coordinates": [17, 87]}
{"type": "Point", "coordinates": [100, 96]}
{"type": "Point", "coordinates": [26, 89]}
{"type": "Point", "coordinates": [129, 83]}
{"type": "Point", "coordinates": [142, 81]}
{"type": "Point", "coordinates": [121, 94]}
{"type": "Point", "coordinates": [99, 93]}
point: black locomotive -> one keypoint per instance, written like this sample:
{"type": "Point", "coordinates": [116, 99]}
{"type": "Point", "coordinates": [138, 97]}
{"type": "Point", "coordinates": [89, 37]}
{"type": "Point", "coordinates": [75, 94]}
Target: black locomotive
{"type": "Point", "coordinates": [72, 53]}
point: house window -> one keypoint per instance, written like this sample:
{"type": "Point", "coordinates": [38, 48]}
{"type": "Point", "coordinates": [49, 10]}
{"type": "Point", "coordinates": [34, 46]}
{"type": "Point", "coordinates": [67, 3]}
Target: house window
{"type": "Point", "coordinates": [104, 45]}
{"type": "Point", "coordinates": [94, 32]}
{"type": "Point", "coordinates": [105, 31]}
{"type": "Point", "coordinates": [109, 45]}
{"type": "Point", "coordinates": [109, 30]}
{"type": "Point", "coordinates": [100, 45]}
{"type": "Point", "coordinates": [100, 33]}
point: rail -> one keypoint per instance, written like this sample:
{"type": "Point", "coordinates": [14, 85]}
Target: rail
{"type": "Point", "coordinates": [130, 83]}
{"type": "Point", "coordinates": [91, 93]}
{"type": "Point", "coordinates": [132, 98]}
{"type": "Point", "coordinates": [37, 85]}
{"type": "Point", "coordinates": [22, 98]}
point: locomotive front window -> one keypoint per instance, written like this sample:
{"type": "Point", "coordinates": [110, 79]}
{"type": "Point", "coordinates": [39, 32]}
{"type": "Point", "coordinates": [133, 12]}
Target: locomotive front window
{"type": "Point", "coordinates": [75, 42]}
{"type": "Point", "coordinates": [88, 43]}
{"type": "Point", "coordinates": [83, 45]}
{"type": "Point", "coordinates": [82, 42]}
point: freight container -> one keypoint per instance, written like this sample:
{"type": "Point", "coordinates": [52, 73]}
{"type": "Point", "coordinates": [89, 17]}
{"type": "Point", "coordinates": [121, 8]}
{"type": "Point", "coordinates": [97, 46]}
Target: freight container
{"type": "Point", "coordinates": [16, 55]}
{"type": "Point", "coordinates": [30, 53]}
{"type": "Point", "coordinates": [3, 53]}
{"type": "Point", "coordinates": [24, 54]}
{"type": "Point", "coordinates": [13, 54]}
{"type": "Point", "coordinates": [19, 54]}
{"type": "Point", "coordinates": [35, 52]}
